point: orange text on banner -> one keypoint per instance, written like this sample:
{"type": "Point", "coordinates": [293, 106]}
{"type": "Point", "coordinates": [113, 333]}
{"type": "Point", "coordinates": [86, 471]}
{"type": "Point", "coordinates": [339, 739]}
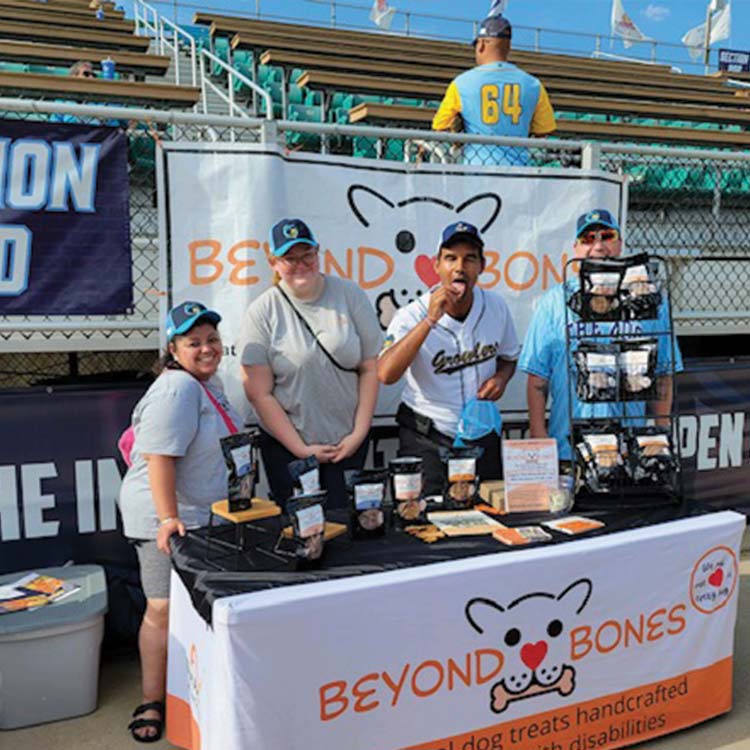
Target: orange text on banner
{"type": "Point", "coordinates": [599, 724]}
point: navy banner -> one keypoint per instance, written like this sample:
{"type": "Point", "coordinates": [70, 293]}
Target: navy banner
{"type": "Point", "coordinates": [60, 475]}
{"type": "Point", "coordinates": [64, 220]}
{"type": "Point", "coordinates": [60, 472]}
{"type": "Point", "coordinates": [714, 404]}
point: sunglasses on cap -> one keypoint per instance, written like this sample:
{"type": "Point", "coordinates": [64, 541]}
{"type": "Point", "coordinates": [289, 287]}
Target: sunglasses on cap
{"type": "Point", "coordinates": [601, 235]}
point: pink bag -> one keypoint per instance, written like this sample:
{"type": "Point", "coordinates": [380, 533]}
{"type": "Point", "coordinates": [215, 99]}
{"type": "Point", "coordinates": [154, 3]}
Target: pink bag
{"type": "Point", "coordinates": [127, 439]}
{"type": "Point", "coordinates": [125, 445]}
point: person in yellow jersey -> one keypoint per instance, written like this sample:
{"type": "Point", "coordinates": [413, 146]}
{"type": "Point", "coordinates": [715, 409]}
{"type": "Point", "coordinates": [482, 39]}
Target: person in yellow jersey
{"type": "Point", "coordinates": [496, 98]}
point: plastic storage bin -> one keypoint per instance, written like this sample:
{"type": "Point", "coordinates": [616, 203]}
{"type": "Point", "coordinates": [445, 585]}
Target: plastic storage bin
{"type": "Point", "coordinates": [49, 657]}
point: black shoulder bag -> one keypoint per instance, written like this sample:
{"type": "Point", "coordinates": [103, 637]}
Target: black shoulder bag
{"type": "Point", "coordinates": [312, 333]}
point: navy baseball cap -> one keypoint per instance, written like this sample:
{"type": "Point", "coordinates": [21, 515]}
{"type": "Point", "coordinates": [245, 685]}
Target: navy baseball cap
{"type": "Point", "coordinates": [494, 27]}
{"type": "Point", "coordinates": [181, 318]}
{"type": "Point", "coordinates": [287, 233]}
{"type": "Point", "coordinates": [461, 231]}
{"type": "Point", "coordinates": [599, 216]}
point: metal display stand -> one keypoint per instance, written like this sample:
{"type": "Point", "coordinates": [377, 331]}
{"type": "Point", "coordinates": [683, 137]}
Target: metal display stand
{"type": "Point", "coordinates": [620, 327]}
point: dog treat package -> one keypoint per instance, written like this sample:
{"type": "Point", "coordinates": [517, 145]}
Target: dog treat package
{"type": "Point", "coordinates": [461, 486]}
{"type": "Point", "coordinates": [638, 369]}
{"type": "Point", "coordinates": [599, 294]}
{"type": "Point", "coordinates": [366, 490]}
{"type": "Point", "coordinates": [596, 371]}
{"type": "Point", "coordinates": [641, 288]}
{"type": "Point", "coordinates": [307, 514]}
{"type": "Point", "coordinates": [603, 460]}
{"type": "Point", "coordinates": [242, 465]}
{"type": "Point", "coordinates": [652, 459]}
{"type": "Point", "coordinates": [407, 484]}
{"type": "Point", "coordinates": [305, 474]}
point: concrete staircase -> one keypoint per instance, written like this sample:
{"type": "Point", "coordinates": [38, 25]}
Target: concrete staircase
{"type": "Point", "coordinates": [214, 103]}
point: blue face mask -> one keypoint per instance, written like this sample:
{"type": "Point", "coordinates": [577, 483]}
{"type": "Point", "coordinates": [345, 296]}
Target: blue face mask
{"type": "Point", "coordinates": [478, 418]}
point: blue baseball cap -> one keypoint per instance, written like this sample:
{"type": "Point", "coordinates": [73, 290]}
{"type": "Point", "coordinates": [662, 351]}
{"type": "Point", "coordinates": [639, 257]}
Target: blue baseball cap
{"type": "Point", "coordinates": [287, 233]}
{"type": "Point", "coordinates": [494, 27]}
{"type": "Point", "coordinates": [181, 318]}
{"type": "Point", "coordinates": [461, 231]}
{"type": "Point", "coordinates": [599, 216]}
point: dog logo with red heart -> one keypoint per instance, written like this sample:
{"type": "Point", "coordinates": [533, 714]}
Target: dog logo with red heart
{"type": "Point", "coordinates": [532, 630]}
{"type": "Point", "coordinates": [532, 654]}
{"type": "Point", "coordinates": [411, 227]}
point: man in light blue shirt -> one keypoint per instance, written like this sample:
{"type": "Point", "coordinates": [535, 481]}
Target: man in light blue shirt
{"type": "Point", "coordinates": [547, 362]}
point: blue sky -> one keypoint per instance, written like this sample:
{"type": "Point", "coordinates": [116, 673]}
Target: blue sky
{"type": "Point", "coordinates": [663, 20]}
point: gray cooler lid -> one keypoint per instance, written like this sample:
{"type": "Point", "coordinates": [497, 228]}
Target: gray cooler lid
{"type": "Point", "coordinates": [88, 602]}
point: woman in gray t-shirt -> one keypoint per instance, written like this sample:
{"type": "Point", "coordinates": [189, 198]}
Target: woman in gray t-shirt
{"type": "Point", "coordinates": [308, 347]}
{"type": "Point", "coordinates": [177, 472]}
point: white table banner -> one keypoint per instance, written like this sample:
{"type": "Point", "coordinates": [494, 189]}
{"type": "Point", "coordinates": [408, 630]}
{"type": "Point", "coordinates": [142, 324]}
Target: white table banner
{"type": "Point", "coordinates": [585, 645]}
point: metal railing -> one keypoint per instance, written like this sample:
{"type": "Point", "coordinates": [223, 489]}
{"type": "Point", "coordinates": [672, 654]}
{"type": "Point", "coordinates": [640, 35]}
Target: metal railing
{"type": "Point", "coordinates": [168, 37]}
{"type": "Point", "coordinates": [690, 205]}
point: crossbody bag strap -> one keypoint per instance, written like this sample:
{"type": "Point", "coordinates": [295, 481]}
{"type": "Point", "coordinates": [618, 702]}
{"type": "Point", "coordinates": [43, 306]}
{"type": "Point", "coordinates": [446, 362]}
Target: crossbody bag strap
{"type": "Point", "coordinates": [231, 426]}
{"type": "Point", "coordinates": [312, 333]}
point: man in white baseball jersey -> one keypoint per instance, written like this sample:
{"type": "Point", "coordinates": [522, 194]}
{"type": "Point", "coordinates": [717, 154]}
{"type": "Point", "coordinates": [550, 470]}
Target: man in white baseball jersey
{"type": "Point", "coordinates": [456, 343]}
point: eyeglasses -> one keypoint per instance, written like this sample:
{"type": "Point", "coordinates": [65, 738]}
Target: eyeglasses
{"type": "Point", "coordinates": [603, 235]}
{"type": "Point", "coordinates": [87, 74]}
{"type": "Point", "coordinates": [306, 259]}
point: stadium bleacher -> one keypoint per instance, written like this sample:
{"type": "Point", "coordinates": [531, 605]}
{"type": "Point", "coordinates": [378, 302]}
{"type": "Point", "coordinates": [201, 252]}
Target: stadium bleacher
{"type": "Point", "coordinates": [40, 41]}
{"type": "Point", "coordinates": [137, 64]}
{"type": "Point", "coordinates": [353, 76]}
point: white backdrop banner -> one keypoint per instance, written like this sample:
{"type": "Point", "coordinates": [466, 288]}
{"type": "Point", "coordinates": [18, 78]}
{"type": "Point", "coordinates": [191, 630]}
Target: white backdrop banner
{"type": "Point", "coordinates": [378, 223]}
{"type": "Point", "coordinates": [585, 645]}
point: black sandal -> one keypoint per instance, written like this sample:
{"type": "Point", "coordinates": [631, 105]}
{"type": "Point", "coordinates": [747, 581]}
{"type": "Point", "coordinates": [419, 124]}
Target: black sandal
{"type": "Point", "coordinates": [157, 724]}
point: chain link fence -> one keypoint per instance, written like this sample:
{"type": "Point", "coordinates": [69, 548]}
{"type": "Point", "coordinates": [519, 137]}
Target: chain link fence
{"type": "Point", "coordinates": [687, 205]}
{"type": "Point", "coordinates": [692, 208]}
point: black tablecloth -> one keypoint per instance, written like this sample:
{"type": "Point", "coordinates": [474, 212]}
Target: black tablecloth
{"type": "Point", "coordinates": [208, 581]}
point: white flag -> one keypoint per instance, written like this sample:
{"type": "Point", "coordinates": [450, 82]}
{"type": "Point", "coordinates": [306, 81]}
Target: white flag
{"type": "Point", "coordinates": [721, 28]}
{"type": "Point", "coordinates": [497, 7]}
{"type": "Point", "coordinates": [622, 25]}
{"type": "Point", "coordinates": [382, 14]}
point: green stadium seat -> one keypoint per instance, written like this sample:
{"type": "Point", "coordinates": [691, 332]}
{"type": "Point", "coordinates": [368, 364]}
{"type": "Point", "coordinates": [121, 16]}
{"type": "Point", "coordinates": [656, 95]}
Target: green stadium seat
{"type": "Point", "coordinates": [269, 74]}
{"type": "Point", "coordinates": [201, 34]}
{"type": "Point", "coordinates": [221, 50]}
{"type": "Point", "coordinates": [313, 98]}
{"type": "Point", "coordinates": [303, 113]}
{"type": "Point", "coordinates": [295, 95]}
{"type": "Point", "coordinates": [9, 67]}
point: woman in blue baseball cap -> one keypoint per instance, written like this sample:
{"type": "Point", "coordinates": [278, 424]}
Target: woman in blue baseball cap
{"type": "Point", "coordinates": [308, 349]}
{"type": "Point", "coordinates": [177, 471]}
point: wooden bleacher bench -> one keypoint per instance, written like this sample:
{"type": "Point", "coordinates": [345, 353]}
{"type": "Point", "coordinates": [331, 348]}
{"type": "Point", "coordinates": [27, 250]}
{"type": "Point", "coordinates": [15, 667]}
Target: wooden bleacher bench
{"type": "Point", "coordinates": [393, 114]}
{"type": "Point", "coordinates": [438, 50]}
{"type": "Point", "coordinates": [91, 23]}
{"type": "Point", "coordinates": [71, 36]}
{"type": "Point", "coordinates": [385, 86]}
{"type": "Point", "coordinates": [91, 90]}
{"type": "Point", "coordinates": [564, 103]}
{"type": "Point", "coordinates": [54, 7]}
{"type": "Point", "coordinates": [653, 134]}
{"type": "Point", "coordinates": [547, 73]}
{"type": "Point", "coordinates": [321, 80]}
{"type": "Point", "coordinates": [286, 51]}
{"type": "Point", "coordinates": [33, 53]}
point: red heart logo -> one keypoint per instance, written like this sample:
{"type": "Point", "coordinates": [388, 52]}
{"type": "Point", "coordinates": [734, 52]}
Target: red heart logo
{"type": "Point", "coordinates": [532, 654]}
{"type": "Point", "coordinates": [426, 271]}
{"type": "Point", "coordinates": [716, 577]}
